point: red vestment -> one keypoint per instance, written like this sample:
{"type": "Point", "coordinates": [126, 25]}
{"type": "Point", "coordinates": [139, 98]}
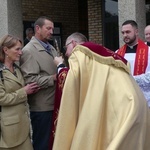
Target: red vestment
{"type": "Point", "coordinates": [61, 77]}
{"type": "Point", "coordinates": [141, 59]}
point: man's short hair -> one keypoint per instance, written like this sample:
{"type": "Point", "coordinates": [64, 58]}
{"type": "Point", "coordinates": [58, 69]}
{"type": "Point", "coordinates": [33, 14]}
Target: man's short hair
{"type": "Point", "coordinates": [41, 21]}
{"type": "Point", "coordinates": [28, 30]}
{"type": "Point", "coordinates": [131, 22]}
{"type": "Point", "coordinates": [79, 37]}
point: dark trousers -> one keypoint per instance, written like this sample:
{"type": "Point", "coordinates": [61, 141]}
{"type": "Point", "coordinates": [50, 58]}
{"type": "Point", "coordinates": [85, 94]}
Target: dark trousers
{"type": "Point", "coordinates": [41, 126]}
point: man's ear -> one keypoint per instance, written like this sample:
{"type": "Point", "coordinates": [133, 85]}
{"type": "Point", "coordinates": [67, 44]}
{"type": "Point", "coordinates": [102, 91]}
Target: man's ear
{"type": "Point", "coordinates": [37, 28]}
{"type": "Point", "coordinates": [74, 43]}
{"type": "Point", "coordinates": [137, 32]}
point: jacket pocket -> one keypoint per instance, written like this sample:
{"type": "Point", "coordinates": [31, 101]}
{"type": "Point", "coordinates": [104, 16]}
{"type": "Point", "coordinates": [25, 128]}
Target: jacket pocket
{"type": "Point", "coordinates": [14, 130]}
{"type": "Point", "coordinates": [11, 120]}
{"type": "Point", "coordinates": [10, 127]}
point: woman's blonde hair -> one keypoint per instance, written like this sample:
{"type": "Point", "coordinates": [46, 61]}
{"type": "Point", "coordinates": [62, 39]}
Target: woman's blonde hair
{"type": "Point", "coordinates": [8, 41]}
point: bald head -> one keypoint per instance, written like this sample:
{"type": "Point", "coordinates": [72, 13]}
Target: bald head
{"type": "Point", "coordinates": [147, 33]}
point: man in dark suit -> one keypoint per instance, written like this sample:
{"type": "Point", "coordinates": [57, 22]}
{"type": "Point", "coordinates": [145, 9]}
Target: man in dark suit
{"type": "Point", "coordinates": [29, 34]}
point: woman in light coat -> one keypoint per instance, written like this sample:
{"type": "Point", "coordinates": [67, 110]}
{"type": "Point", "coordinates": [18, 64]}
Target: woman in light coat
{"type": "Point", "coordinates": [14, 119]}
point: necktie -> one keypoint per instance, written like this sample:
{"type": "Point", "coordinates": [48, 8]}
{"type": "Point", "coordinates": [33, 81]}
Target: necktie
{"type": "Point", "coordinates": [48, 49]}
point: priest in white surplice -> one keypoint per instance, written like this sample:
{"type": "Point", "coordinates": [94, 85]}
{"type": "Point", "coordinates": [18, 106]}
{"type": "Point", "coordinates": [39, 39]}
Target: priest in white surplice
{"type": "Point", "coordinates": [138, 55]}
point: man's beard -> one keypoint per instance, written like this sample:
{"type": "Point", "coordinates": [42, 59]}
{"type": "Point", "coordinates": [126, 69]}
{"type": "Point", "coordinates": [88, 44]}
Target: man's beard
{"type": "Point", "coordinates": [130, 41]}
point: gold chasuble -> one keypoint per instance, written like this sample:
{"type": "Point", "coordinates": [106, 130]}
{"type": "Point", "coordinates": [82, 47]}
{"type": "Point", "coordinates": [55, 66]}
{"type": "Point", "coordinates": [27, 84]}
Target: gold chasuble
{"type": "Point", "coordinates": [102, 107]}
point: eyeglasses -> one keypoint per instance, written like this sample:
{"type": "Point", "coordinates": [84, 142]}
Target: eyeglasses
{"type": "Point", "coordinates": [65, 47]}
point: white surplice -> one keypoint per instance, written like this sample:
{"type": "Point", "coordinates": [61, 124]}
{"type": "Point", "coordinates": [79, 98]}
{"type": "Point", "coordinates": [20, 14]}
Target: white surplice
{"type": "Point", "coordinates": [143, 80]}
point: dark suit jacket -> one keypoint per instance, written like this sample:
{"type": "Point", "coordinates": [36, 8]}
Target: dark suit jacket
{"type": "Point", "coordinates": [26, 40]}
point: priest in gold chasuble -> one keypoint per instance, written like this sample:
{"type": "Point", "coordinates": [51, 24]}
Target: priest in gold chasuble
{"type": "Point", "coordinates": [102, 107]}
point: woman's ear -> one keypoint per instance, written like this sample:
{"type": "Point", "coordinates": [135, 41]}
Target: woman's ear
{"type": "Point", "coordinates": [5, 49]}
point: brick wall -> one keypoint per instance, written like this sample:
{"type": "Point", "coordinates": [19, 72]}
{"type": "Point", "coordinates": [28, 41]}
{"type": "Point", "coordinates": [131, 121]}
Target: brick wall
{"type": "Point", "coordinates": [67, 13]}
{"type": "Point", "coordinates": [95, 21]}
{"type": "Point", "coordinates": [62, 11]}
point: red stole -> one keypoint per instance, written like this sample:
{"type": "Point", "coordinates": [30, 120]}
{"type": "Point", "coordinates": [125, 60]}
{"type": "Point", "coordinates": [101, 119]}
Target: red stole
{"type": "Point", "coordinates": [141, 59]}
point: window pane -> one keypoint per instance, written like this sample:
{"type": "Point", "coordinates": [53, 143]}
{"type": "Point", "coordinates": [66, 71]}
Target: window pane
{"type": "Point", "coordinates": [147, 12]}
{"type": "Point", "coordinates": [110, 17]}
